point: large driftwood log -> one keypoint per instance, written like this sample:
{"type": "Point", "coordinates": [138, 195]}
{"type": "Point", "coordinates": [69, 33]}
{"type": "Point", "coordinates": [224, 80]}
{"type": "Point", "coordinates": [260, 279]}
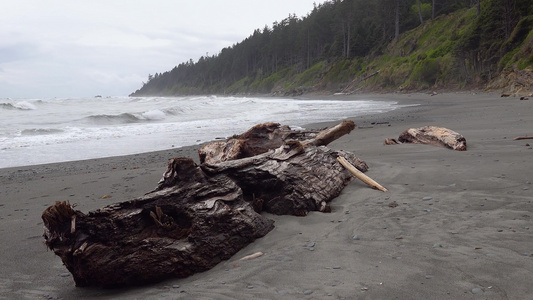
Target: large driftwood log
{"type": "Point", "coordinates": [185, 226]}
{"type": "Point", "coordinates": [431, 135]}
{"type": "Point", "coordinates": [200, 215]}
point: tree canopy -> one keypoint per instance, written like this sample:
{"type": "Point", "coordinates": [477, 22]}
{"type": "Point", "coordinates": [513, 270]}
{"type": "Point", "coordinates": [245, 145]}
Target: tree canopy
{"type": "Point", "coordinates": [346, 31]}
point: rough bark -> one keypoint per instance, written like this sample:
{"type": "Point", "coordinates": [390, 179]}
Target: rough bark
{"type": "Point", "coordinates": [200, 215]}
{"type": "Point", "coordinates": [431, 135]}
{"type": "Point", "coordinates": [259, 139]}
{"type": "Point", "coordinates": [282, 171]}
{"type": "Point", "coordinates": [291, 179]}
{"type": "Point", "coordinates": [187, 225]}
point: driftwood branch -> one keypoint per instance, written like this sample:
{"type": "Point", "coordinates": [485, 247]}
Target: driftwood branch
{"type": "Point", "coordinates": [523, 138]}
{"type": "Point", "coordinates": [252, 256]}
{"type": "Point", "coordinates": [327, 136]}
{"type": "Point", "coordinates": [360, 175]}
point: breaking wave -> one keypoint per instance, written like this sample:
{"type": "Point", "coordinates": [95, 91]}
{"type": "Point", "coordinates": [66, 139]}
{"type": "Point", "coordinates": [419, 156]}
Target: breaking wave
{"type": "Point", "coordinates": [113, 119]}
{"type": "Point", "coordinates": [40, 131]}
{"type": "Point", "coordinates": [153, 115]}
{"type": "Point", "coordinates": [23, 105]}
{"type": "Point", "coordinates": [125, 118]}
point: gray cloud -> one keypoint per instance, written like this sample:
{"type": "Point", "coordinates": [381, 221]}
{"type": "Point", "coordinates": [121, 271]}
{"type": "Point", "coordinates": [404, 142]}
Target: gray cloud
{"type": "Point", "coordinates": [61, 48]}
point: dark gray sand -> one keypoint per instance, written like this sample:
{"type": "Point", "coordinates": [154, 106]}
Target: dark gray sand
{"type": "Point", "coordinates": [462, 227]}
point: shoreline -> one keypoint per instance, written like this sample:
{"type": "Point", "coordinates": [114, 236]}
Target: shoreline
{"type": "Point", "coordinates": [31, 151]}
{"type": "Point", "coordinates": [53, 165]}
{"type": "Point", "coordinates": [462, 227]}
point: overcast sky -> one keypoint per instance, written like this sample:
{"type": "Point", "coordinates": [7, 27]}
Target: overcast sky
{"type": "Point", "coordinates": [65, 48]}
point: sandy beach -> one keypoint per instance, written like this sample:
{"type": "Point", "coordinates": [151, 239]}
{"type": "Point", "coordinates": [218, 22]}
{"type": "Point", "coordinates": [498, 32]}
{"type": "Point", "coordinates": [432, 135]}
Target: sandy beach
{"type": "Point", "coordinates": [453, 225]}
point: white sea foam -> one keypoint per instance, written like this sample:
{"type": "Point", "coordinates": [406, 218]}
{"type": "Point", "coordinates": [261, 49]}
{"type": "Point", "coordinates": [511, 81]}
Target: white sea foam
{"type": "Point", "coordinates": [22, 105]}
{"type": "Point", "coordinates": [54, 130]}
{"type": "Point", "coordinates": [155, 114]}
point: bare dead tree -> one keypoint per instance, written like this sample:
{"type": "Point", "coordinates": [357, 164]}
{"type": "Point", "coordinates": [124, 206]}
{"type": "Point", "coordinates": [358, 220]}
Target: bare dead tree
{"type": "Point", "coordinates": [420, 12]}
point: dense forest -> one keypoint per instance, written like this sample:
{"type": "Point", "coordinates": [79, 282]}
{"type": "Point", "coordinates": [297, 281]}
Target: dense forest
{"type": "Point", "coordinates": [379, 45]}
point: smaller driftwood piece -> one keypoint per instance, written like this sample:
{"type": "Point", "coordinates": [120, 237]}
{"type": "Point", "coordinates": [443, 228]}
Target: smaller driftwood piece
{"type": "Point", "coordinates": [431, 135]}
{"type": "Point", "coordinates": [360, 175]}
{"type": "Point", "coordinates": [518, 138]}
{"type": "Point", "coordinates": [199, 215]}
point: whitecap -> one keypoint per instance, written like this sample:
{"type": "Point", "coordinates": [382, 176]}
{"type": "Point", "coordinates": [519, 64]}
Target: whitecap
{"type": "Point", "coordinates": [153, 115]}
{"type": "Point", "coordinates": [113, 119]}
{"type": "Point", "coordinates": [98, 128]}
{"type": "Point", "coordinates": [7, 106]}
{"type": "Point", "coordinates": [40, 131]}
{"type": "Point", "coordinates": [24, 105]}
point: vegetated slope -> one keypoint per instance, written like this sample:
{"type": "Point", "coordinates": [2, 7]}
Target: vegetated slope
{"type": "Point", "coordinates": [462, 49]}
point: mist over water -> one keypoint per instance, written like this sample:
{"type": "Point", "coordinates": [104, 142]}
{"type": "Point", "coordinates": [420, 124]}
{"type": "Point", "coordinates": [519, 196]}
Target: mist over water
{"type": "Point", "coordinates": [37, 131]}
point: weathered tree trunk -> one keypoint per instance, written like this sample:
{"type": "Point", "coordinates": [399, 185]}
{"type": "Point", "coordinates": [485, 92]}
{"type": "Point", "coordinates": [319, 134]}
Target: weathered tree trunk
{"type": "Point", "coordinates": [183, 227]}
{"type": "Point", "coordinates": [200, 215]}
{"type": "Point", "coordinates": [431, 135]}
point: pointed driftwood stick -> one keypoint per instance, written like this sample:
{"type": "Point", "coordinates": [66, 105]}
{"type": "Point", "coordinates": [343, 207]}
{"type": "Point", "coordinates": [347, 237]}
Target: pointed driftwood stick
{"type": "Point", "coordinates": [252, 256]}
{"type": "Point", "coordinates": [369, 181]}
{"type": "Point", "coordinates": [329, 135]}
{"type": "Point", "coordinates": [523, 138]}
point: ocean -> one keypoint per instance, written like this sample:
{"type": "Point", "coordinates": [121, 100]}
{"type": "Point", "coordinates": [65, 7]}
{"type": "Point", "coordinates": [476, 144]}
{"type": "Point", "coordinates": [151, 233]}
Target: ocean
{"type": "Point", "coordinates": [38, 131]}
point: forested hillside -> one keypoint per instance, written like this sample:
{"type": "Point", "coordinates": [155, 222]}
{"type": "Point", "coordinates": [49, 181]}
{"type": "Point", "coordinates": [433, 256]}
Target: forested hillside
{"type": "Point", "coordinates": [379, 45]}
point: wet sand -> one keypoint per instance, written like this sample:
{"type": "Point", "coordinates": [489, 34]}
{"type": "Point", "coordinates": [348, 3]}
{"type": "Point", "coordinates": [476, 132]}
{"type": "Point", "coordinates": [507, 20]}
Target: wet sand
{"type": "Point", "coordinates": [462, 227]}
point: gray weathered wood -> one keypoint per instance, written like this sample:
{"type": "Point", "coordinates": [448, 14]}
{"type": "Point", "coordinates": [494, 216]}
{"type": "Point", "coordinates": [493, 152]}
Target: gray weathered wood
{"type": "Point", "coordinates": [431, 135]}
